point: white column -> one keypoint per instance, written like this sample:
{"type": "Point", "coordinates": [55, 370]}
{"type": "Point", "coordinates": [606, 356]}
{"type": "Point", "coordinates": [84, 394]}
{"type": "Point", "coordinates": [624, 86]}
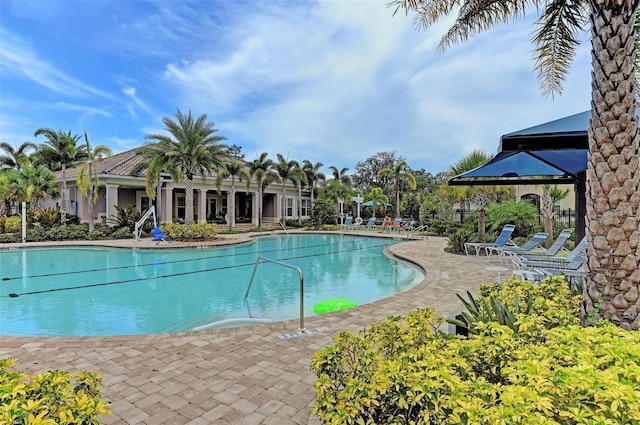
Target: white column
{"type": "Point", "coordinates": [111, 200]}
{"type": "Point", "coordinates": [167, 205]}
{"type": "Point", "coordinates": [254, 208]}
{"type": "Point", "coordinates": [202, 205]}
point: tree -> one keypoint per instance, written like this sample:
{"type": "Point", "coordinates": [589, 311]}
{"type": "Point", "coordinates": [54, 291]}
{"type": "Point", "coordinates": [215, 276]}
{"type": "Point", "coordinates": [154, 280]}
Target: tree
{"type": "Point", "coordinates": [32, 184]}
{"type": "Point", "coordinates": [398, 173]}
{"type": "Point", "coordinates": [59, 151]}
{"type": "Point", "coordinates": [191, 148]}
{"type": "Point", "coordinates": [88, 181]}
{"type": "Point", "coordinates": [15, 158]}
{"type": "Point", "coordinates": [479, 195]}
{"type": "Point", "coordinates": [313, 174]}
{"type": "Point", "coordinates": [260, 169]}
{"type": "Point", "coordinates": [285, 169]}
{"type": "Point", "coordinates": [366, 172]}
{"type": "Point", "coordinates": [547, 201]}
{"type": "Point", "coordinates": [233, 168]}
{"type": "Point", "coordinates": [377, 198]}
{"type": "Point", "coordinates": [613, 175]}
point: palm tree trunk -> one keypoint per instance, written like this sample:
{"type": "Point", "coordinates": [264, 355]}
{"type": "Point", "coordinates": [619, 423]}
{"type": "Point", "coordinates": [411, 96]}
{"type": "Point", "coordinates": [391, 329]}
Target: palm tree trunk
{"type": "Point", "coordinates": [613, 223]}
{"type": "Point", "coordinates": [284, 205]}
{"type": "Point", "coordinates": [90, 208]}
{"type": "Point", "coordinates": [260, 204]}
{"type": "Point", "coordinates": [300, 203]}
{"type": "Point", "coordinates": [63, 198]}
{"type": "Point", "coordinates": [547, 214]}
{"type": "Point", "coordinates": [232, 204]}
{"type": "Point", "coordinates": [188, 212]}
{"type": "Point", "coordinates": [397, 198]}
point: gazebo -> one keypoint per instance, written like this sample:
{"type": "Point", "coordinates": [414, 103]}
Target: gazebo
{"type": "Point", "coordinates": [551, 153]}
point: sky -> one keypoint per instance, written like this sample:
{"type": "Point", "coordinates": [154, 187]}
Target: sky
{"type": "Point", "coordinates": [331, 81]}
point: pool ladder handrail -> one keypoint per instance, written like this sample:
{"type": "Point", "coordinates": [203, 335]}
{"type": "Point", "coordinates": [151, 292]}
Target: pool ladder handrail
{"type": "Point", "coordinates": [259, 260]}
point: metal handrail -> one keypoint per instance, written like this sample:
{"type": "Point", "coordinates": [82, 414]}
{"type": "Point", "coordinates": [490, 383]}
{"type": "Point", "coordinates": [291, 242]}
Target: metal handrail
{"type": "Point", "coordinates": [255, 268]}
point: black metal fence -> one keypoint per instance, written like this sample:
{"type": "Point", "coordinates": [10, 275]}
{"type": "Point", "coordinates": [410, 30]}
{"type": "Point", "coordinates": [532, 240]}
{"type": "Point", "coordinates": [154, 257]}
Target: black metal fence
{"type": "Point", "coordinates": [564, 218]}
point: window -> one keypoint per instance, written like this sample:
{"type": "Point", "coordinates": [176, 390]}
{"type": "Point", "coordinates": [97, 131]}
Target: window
{"type": "Point", "coordinates": [144, 204]}
{"type": "Point", "coordinates": [306, 207]}
{"type": "Point", "coordinates": [181, 207]}
{"type": "Point", "coordinates": [289, 207]}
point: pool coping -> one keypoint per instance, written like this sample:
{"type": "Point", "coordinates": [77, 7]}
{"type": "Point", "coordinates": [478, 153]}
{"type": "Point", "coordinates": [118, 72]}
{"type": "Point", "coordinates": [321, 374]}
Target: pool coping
{"type": "Point", "coordinates": [238, 375]}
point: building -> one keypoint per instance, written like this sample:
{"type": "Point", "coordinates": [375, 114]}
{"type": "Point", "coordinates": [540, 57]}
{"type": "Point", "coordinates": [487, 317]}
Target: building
{"type": "Point", "coordinates": [119, 188]}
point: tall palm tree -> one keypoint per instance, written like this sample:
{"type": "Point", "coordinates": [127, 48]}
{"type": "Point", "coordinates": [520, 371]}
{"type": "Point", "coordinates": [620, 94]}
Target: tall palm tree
{"type": "Point", "coordinates": [299, 179]}
{"type": "Point", "coordinates": [260, 169]}
{"type": "Point", "coordinates": [233, 168]}
{"type": "Point", "coordinates": [15, 158]}
{"type": "Point", "coordinates": [88, 181]}
{"type": "Point", "coordinates": [399, 172]}
{"type": "Point", "coordinates": [191, 148]}
{"type": "Point", "coordinates": [479, 195]}
{"type": "Point", "coordinates": [56, 153]}
{"type": "Point", "coordinates": [339, 185]}
{"type": "Point", "coordinates": [285, 169]}
{"type": "Point", "coordinates": [313, 174]}
{"type": "Point", "coordinates": [613, 175]}
{"type": "Point", "coordinates": [33, 185]}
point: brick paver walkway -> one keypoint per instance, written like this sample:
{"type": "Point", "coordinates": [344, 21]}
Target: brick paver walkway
{"type": "Point", "coordinates": [236, 376]}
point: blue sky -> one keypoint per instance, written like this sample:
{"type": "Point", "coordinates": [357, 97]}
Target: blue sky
{"type": "Point", "coordinates": [333, 81]}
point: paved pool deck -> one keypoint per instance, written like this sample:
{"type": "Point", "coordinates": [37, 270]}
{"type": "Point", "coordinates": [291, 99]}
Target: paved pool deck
{"type": "Point", "coordinates": [249, 375]}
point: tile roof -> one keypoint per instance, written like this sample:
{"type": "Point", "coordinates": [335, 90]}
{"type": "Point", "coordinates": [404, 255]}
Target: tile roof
{"type": "Point", "coordinates": [119, 164]}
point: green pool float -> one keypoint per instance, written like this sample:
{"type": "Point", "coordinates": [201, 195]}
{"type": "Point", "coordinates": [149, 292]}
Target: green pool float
{"type": "Point", "coordinates": [333, 304]}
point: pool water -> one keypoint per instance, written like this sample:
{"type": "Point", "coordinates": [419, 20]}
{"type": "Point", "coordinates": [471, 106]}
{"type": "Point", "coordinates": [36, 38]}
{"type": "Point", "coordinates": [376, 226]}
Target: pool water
{"type": "Point", "coordinates": [100, 291]}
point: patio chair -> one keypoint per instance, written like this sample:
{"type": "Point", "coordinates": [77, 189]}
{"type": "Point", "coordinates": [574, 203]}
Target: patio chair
{"type": "Point", "coordinates": [528, 246]}
{"type": "Point", "coordinates": [503, 239]}
{"type": "Point", "coordinates": [157, 235]}
{"type": "Point", "coordinates": [557, 246]}
{"type": "Point", "coordinates": [348, 224]}
{"type": "Point", "coordinates": [574, 260]}
{"type": "Point", "coordinates": [371, 224]}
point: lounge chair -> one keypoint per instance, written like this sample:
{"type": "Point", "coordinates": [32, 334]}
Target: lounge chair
{"type": "Point", "coordinates": [371, 224]}
{"type": "Point", "coordinates": [158, 236]}
{"type": "Point", "coordinates": [503, 239]}
{"type": "Point", "coordinates": [528, 246]}
{"type": "Point", "coordinates": [557, 246]}
{"type": "Point", "coordinates": [348, 224]}
{"type": "Point", "coordinates": [574, 260]}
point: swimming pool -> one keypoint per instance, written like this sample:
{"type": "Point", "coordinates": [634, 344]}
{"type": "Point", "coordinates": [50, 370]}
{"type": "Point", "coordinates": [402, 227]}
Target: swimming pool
{"type": "Point", "coordinates": [101, 291]}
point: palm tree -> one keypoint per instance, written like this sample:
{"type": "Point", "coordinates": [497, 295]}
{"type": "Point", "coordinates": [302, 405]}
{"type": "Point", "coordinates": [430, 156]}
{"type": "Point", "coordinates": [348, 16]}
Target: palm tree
{"type": "Point", "coordinates": [191, 148]}
{"type": "Point", "coordinates": [56, 153]}
{"type": "Point", "coordinates": [339, 186]}
{"type": "Point", "coordinates": [399, 172]}
{"type": "Point", "coordinates": [479, 195]}
{"type": "Point", "coordinates": [32, 184]}
{"type": "Point", "coordinates": [313, 174]}
{"type": "Point", "coordinates": [15, 158]}
{"type": "Point", "coordinates": [285, 170]}
{"type": "Point", "coordinates": [260, 169]}
{"type": "Point", "coordinates": [233, 168]}
{"type": "Point", "coordinates": [377, 197]}
{"type": "Point", "coordinates": [613, 175]}
{"type": "Point", "coordinates": [88, 181]}
{"type": "Point", "coordinates": [299, 179]}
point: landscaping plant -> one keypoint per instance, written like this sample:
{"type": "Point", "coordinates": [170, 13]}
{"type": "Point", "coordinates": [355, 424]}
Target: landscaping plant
{"type": "Point", "coordinates": [547, 370]}
{"type": "Point", "coordinates": [48, 398]}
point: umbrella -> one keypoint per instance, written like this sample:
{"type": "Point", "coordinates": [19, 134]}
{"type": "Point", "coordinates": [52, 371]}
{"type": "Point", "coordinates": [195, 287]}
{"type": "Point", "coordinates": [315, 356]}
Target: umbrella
{"type": "Point", "coordinates": [370, 204]}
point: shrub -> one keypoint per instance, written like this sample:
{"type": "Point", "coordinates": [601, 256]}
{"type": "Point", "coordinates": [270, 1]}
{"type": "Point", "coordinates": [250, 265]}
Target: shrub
{"type": "Point", "coordinates": [122, 233]}
{"type": "Point", "coordinates": [457, 241]}
{"type": "Point", "coordinates": [403, 370]}
{"type": "Point", "coordinates": [13, 224]}
{"type": "Point", "coordinates": [323, 212]}
{"type": "Point", "coordinates": [70, 232]}
{"type": "Point", "coordinates": [48, 217]}
{"type": "Point", "coordinates": [10, 237]}
{"type": "Point", "coordinates": [50, 397]}
{"type": "Point", "coordinates": [198, 231]}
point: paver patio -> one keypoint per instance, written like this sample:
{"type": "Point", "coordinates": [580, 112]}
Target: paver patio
{"type": "Point", "coordinates": [236, 376]}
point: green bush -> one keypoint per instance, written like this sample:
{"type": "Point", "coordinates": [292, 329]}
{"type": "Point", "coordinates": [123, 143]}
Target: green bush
{"type": "Point", "coordinates": [122, 233]}
{"type": "Point", "coordinates": [66, 233]}
{"type": "Point", "coordinates": [198, 231]}
{"type": "Point", "coordinates": [457, 240]}
{"type": "Point", "coordinates": [403, 370]}
{"type": "Point", "coordinates": [10, 237]}
{"type": "Point", "coordinates": [49, 398]}
{"type": "Point", "coordinates": [323, 212]}
{"type": "Point", "coordinates": [13, 224]}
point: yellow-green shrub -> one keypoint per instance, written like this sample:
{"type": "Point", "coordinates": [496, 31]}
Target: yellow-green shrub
{"type": "Point", "coordinates": [402, 370]}
{"type": "Point", "coordinates": [13, 224]}
{"type": "Point", "coordinates": [49, 398]}
{"type": "Point", "coordinates": [195, 231]}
